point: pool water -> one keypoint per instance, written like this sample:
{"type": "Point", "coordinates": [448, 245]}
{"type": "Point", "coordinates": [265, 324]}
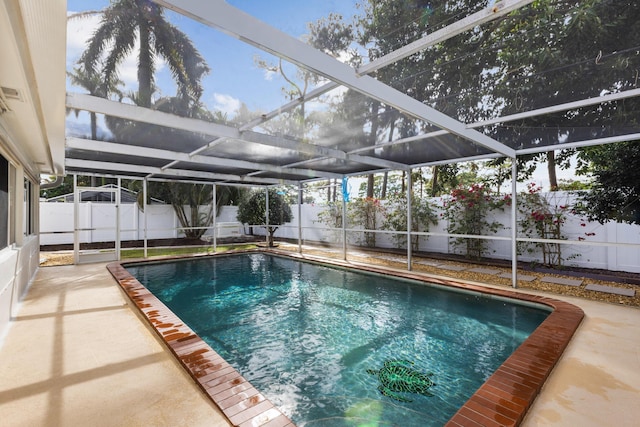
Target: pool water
{"type": "Point", "coordinates": [306, 335]}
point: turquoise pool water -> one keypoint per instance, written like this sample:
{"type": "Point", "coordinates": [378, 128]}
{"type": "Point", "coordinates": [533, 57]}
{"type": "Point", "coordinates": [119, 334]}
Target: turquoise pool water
{"type": "Point", "coordinates": [306, 335]}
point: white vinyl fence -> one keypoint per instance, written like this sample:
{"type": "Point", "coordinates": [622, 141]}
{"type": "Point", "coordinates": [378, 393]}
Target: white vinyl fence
{"type": "Point", "coordinates": [591, 247]}
{"type": "Point", "coordinates": [98, 221]}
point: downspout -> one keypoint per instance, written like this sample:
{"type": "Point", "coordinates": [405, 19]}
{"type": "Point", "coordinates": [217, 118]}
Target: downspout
{"type": "Point", "coordinates": [54, 184]}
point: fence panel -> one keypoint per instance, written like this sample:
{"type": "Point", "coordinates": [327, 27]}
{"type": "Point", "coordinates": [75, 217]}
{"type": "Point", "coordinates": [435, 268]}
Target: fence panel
{"type": "Point", "coordinates": [56, 226]}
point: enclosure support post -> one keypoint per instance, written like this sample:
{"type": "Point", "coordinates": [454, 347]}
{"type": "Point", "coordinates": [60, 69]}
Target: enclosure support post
{"type": "Point", "coordinates": [299, 218]}
{"type": "Point", "coordinates": [409, 220]}
{"type": "Point", "coordinates": [266, 214]}
{"type": "Point", "coordinates": [344, 227]}
{"type": "Point", "coordinates": [118, 197]}
{"type": "Point", "coordinates": [514, 223]}
{"type": "Point", "coordinates": [76, 222]}
{"type": "Point", "coordinates": [214, 200]}
{"type": "Point", "coordinates": [144, 212]}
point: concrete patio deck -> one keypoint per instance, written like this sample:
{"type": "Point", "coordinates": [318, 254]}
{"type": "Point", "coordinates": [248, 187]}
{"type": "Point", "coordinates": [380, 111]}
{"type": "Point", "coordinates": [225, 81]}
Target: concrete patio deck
{"type": "Point", "coordinates": [78, 354]}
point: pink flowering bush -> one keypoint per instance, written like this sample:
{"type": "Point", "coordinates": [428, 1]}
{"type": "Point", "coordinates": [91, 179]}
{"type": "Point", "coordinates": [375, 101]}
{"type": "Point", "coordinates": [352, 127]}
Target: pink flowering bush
{"type": "Point", "coordinates": [467, 212]}
{"type": "Point", "coordinates": [538, 218]}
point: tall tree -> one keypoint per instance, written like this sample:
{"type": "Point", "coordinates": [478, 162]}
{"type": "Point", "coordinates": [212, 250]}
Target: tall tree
{"type": "Point", "coordinates": [434, 76]}
{"type": "Point", "coordinates": [556, 51]}
{"type": "Point", "coordinates": [125, 21]}
{"type": "Point", "coordinates": [549, 52]}
{"type": "Point", "coordinates": [95, 86]}
{"type": "Point", "coordinates": [615, 190]}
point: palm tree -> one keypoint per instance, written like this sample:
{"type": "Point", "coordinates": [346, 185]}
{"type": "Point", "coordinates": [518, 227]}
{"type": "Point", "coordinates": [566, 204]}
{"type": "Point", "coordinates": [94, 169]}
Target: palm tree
{"type": "Point", "coordinates": [126, 21]}
{"type": "Point", "coordinates": [94, 84]}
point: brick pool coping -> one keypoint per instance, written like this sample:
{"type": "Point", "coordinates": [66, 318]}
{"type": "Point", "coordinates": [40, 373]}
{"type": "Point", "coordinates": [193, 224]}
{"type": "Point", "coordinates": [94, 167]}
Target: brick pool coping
{"type": "Point", "coordinates": [503, 400]}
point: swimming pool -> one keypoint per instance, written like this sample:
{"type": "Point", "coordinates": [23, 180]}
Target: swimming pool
{"type": "Point", "coordinates": [363, 329]}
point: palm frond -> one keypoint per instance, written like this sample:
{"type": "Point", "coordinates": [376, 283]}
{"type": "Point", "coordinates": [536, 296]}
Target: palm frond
{"type": "Point", "coordinates": [82, 15]}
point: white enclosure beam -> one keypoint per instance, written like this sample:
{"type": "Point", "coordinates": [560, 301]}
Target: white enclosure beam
{"type": "Point", "coordinates": [155, 153]}
{"type": "Point", "coordinates": [144, 212]}
{"type": "Point", "coordinates": [98, 166]}
{"type": "Point", "coordinates": [514, 223]}
{"type": "Point", "coordinates": [409, 219]}
{"type": "Point", "coordinates": [519, 116]}
{"type": "Point", "coordinates": [218, 14]}
{"type": "Point", "coordinates": [578, 144]}
{"type": "Point", "coordinates": [495, 11]}
{"type": "Point", "coordinates": [488, 14]}
{"type": "Point", "coordinates": [299, 217]}
{"type": "Point", "coordinates": [559, 107]}
{"type": "Point", "coordinates": [155, 117]}
{"type": "Point", "coordinates": [458, 160]}
{"type": "Point", "coordinates": [214, 204]}
{"type": "Point", "coordinates": [317, 150]}
{"type": "Point", "coordinates": [146, 115]}
{"type": "Point", "coordinates": [319, 91]}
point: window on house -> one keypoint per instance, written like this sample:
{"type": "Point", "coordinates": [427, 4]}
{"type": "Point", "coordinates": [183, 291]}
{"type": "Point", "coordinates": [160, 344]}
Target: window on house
{"type": "Point", "coordinates": [28, 224]}
{"type": "Point", "coordinates": [4, 202]}
{"type": "Point", "coordinates": [11, 202]}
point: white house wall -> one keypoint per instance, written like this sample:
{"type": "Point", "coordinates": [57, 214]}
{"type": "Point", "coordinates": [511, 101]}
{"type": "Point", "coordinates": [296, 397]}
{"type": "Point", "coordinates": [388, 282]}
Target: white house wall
{"type": "Point", "coordinates": [19, 261]}
{"type": "Point", "coordinates": [8, 262]}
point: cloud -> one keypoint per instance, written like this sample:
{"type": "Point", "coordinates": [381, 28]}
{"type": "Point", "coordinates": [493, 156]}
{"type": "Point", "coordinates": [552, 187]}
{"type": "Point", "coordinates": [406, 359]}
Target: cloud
{"type": "Point", "coordinates": [79, 32]}
{"type": "Point", "coordinates": [226, 103]}
{"type": "Point", "coordinates": [269, 74]}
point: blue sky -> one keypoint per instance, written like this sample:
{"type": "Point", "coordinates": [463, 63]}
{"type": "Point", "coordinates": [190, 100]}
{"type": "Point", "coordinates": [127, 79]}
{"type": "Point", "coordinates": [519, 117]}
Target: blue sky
{"type": "Point", "coordinates": [234, 77]}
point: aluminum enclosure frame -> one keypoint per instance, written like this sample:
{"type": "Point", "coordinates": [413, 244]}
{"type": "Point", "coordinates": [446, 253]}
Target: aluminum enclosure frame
{"type": "Point", "coordinates": [178, 165]}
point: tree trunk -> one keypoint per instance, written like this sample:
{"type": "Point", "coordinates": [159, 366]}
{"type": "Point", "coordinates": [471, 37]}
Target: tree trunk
{"type": "Point", "coordinates": [434, 182]}
{"type": "Point", "coordinates": [335, 184]}
{"type": "Point", "coordinates": [404, 184]}
{"type": "Point", "coordinates": [270, 232]}
{"type": "Point", "coordinates": [551, 168]}
{"type": "Point", "coordinates": [302, 119]}
{"type": "Point", "coordinates": [94, 126]}
{"type": "Point", "coordinates": [383, 194]}
{"type": "Point", "coordinates": [145, 67]}
{"type": "Point", "coordinates": [329, 191]}
{"type": "Point", "coordinates": [385, 178]}
{"type": "Point", "coordinates": [370, 183]}
{"type": "Point", "coordinates": [375, 122]}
